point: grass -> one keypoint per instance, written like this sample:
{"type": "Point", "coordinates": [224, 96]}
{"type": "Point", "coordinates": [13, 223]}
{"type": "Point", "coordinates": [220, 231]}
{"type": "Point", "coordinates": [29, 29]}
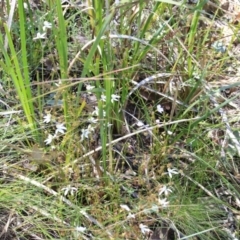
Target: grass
{"type": "Point", "coordinates": [114, 122]}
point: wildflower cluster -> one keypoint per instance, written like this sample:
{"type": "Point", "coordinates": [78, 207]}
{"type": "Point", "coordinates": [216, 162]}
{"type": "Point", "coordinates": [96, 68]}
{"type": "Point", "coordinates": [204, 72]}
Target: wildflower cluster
{"type": "Point", "coordinates": [163, 193]}
{"type": "Point", "coordinates": [126, 208]}
{"type": "Point", "coordinates": [160, 108]}
{"type": "Point", "coordinates": [165, 190]}
{"type": "Point", "coordinates": [163, 202]}
{"type": "Point", "coordinates": [114, 98]}
{"type": "Point", "coordinates": [142, 125]}
{"type": "Point", "coordinates": [69, 190]}
{"type": "Point", "coordinates": [60, 129]}
{"type": "Point", "coordinates": [93, 119]}
{"type": "Point", "coordinates": [42, 35]}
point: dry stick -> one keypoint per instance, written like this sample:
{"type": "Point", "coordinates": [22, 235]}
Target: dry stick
{"type": "Point", "coordinates": [5, 228]}
{"type": "Point", "coordinates": [65, 200]}
{"type": "Point", "coordinates": [174, 103]}
{"type": "Point", "coordinates": [180, 234]}
{"type": "Point", "coordinates": [148, 80]}
{"type": "Point", "coordinates": [9, 112]}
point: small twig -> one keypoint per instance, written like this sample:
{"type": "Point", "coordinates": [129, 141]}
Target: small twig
{"type": "Point", "coordinates": [5, 228]}
{"type": "Point", "coordinates": [148, 80]}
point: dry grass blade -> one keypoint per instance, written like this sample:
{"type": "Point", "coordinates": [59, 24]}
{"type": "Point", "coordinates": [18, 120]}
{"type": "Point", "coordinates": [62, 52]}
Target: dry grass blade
{"type": "Point", "coordinates": [10, 19]}
{"type": "Point", "coordinates": [9, 112]}
{"type": "Point", "coordinates": [5, 228]}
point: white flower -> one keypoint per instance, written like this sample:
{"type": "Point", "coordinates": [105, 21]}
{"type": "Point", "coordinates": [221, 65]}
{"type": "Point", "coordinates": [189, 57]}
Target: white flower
{"type": "Point", "coordinates": [114, 98]}
{"type": "Point", "coordinates": [125, 207]}
{"type": "Point", "coordinates": [47, 118]}
{"type": "Point", "coordinates": [157, 121]}
{"type": "Point", "coordinates": [53, 147]}
{"type": "Point", "coordinates": [92, 120]}
{"type": "Point", "coordinates": [95, 112]}
{"type": "Point", "coordinates": [49, 139]}
{"type": "Point", "coordinates": [160, 109]}
{"type": "Point", "coordinates": [46, 25]}
{"type": "Point", "coordinates": [144, 229]}
{"type": "Point", "coordinates": [85, 133]}
{"type": "Point", "coordinates": [90, 128]}
{"type": "Point", "coordinates": [154, 209]}
{"type": "Point", "coordinates": [89, 87]}
{"type": "Point", "coordinates": [169, 132]}
{"type": "Point", "coordinates": [25, 6]}
{"type": "Point", "coordinates": [108, 124]}
{"type": "Point", "coordinates": [40, 36]}
{"type": "Point", "coordinates": [171, 171]}
{"type": "Point", "coordinates": [58, 83]}
{"type": "Point", "coordinates": [237, 201]}
{"type": "Point", "coordinates": [140, 124]}
{"type": "Point", "coordinates": [80, 229]}
{"type": "Point", "coordinates": [103, 97]}
{"type": "Point", "coordinates": [104, 113]}
{"type": "Point", "coordinates": [164, 189]}
{"type": "Point", "coordinates": [60, 128]}
{"type": "Point", "coordinates": [163, 202]}
{"type": "Point", "coordinates": [130, 215]}
{"type": "Point", "coordinates": [68, 189]}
